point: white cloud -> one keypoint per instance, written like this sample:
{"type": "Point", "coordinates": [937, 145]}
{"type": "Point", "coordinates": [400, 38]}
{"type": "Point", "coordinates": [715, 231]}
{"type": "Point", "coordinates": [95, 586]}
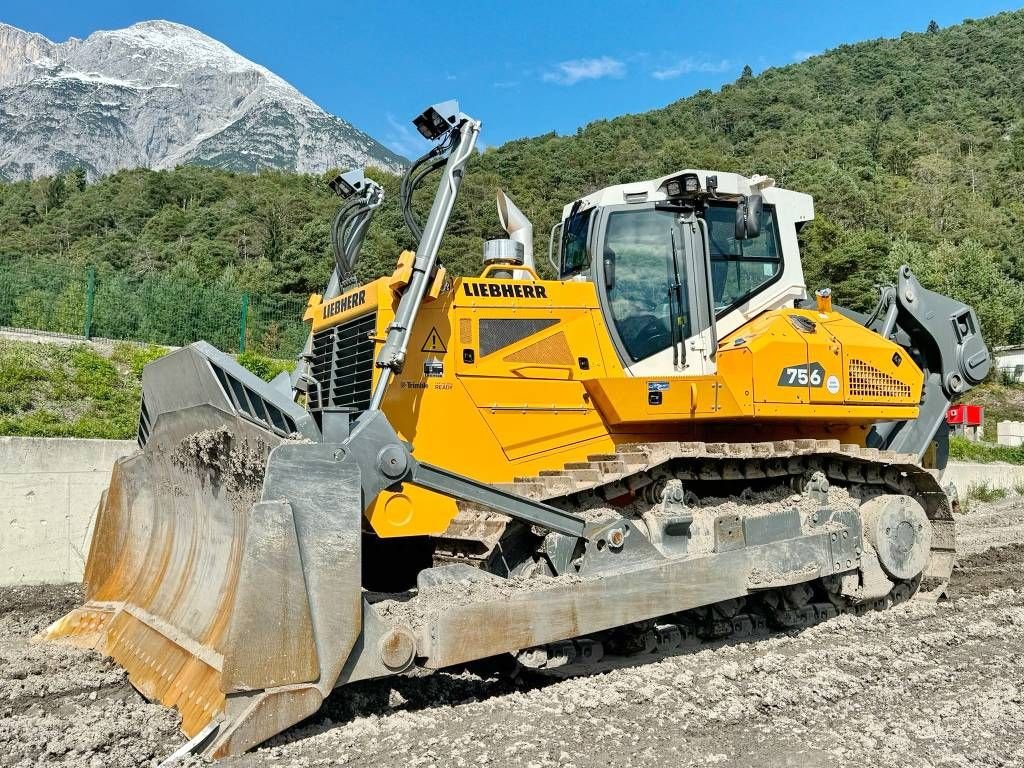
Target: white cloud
{"type": "Point", "coordinates": [801, 55]}
{"type": "Point", "coordinates": [690, 64]}
{"type": "Point", "coordinates": [404, 139]}
{"type": "Point", "coordinates": [573, 71]}
{"type": "Point", "coordinates": [505, 84]}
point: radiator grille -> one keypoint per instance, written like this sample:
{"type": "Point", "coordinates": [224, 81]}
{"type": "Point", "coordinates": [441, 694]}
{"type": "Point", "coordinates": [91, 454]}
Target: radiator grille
{"type": "Point", "coordinates": [343, 365]}
{"type": "Point", "coordinates": [867, 381]}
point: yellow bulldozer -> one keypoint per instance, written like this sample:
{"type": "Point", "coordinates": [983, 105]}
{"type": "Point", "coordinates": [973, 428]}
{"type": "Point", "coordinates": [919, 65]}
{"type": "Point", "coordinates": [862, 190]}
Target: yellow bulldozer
{"type": "Point", "coordinates": [669, 444]}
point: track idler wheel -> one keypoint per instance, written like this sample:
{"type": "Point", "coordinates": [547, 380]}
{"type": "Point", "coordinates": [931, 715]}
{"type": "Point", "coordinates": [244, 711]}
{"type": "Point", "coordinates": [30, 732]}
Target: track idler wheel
{"type": "Point", "coordinates": [900, 532]}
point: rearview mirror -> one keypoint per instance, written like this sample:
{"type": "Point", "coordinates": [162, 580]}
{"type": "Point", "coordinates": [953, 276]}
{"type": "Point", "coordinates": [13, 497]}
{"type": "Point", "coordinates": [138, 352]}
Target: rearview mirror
{"type": "Point", "coordinates": [551, 247]}
{"type": "Point", "coordinates": [748, 217]}
{"type": "Point", "coordinates": [609, 268]}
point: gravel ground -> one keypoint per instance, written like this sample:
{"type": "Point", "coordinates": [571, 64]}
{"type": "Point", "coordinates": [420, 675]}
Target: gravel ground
{"type": "Point", "coordinates": [63, 706]}
{"type": "Point", "coordinates": [920, 685]}
{"type": "Point", "coordinates": [990, 525]}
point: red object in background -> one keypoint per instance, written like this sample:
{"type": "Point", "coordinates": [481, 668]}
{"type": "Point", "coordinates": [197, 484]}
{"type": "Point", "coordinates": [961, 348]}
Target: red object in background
{"type": "Point", "coordinates": [966, 415]}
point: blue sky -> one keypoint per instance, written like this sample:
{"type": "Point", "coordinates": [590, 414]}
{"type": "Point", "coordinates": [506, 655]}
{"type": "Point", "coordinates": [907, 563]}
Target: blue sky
{"type": "Point", "coordinates": [523, 68]}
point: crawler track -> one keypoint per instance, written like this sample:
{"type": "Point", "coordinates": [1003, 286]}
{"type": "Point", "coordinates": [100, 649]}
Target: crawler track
{"type": "Point", "coordinates": [720, 470]}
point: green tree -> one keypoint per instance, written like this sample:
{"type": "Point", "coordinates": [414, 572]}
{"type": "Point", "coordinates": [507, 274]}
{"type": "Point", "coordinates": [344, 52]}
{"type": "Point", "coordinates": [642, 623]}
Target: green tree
{"type": "Point", "coordinates": [971, 273]}
{"type": "Point", "coordinates": [76, 179]}
{"type": "Point", "coordinates": [56, 192]}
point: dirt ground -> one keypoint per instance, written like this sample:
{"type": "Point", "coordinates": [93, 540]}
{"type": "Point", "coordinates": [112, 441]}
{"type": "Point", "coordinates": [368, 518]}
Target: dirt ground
{"type": "Point", "coordinates": [920, 685]}
{"type": "Point", "coordinates": [63, 706]}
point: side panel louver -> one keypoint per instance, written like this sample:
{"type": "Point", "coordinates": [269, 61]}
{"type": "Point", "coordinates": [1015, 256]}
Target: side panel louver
{"type": "Point", "coordinates": [866, 382]}
{"type": "Point", "coordinates": [498, 333]}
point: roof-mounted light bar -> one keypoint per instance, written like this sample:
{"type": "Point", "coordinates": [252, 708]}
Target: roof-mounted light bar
{"type": "Point", "coordinates": [686, 185]}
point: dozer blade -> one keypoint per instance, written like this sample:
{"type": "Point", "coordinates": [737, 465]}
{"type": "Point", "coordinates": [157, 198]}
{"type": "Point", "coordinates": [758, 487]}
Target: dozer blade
{"type": "Point", "coordinates": [224, 570]}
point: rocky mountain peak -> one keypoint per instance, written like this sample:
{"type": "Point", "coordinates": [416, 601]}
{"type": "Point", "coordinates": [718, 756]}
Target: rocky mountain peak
{"type": "Point", "coordinates": [158, 94]}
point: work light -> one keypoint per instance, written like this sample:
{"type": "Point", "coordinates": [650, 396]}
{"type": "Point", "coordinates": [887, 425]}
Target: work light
{"type": "Point", "coordinates": [437, 119]}
{"type": "Point", "coordinates": [348, 183]}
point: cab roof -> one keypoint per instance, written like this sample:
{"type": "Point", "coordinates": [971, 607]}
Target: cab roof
{"type": "Point", "coordinates": [799, 206]}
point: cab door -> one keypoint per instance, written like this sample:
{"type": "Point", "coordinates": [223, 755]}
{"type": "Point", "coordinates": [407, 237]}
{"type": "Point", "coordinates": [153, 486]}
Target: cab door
{"type": "Point", "coordinates": [650, 274]}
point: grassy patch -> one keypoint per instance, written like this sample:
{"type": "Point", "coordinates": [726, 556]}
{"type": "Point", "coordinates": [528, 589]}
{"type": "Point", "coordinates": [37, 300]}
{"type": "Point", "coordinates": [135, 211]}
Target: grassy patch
{"type": "Point", "coordinates": [985, 491]}
{"type": "Point", "coordinates": [962, 449]}
{"type": "Point", "coordinates": [265, 367]}
{"type": "Point", "coordinates": [135, 357]}
{"type": "Point", "coordinates": [54, 390]}
{"type": "Point", "coordinates": [51, 390]}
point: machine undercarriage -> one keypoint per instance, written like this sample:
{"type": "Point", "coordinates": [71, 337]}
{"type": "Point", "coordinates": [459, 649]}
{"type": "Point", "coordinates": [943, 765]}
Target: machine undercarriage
{"type": "Point", "coordinates": [888, 522]}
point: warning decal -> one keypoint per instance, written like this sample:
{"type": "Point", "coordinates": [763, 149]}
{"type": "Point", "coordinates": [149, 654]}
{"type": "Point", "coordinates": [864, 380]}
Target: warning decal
{"type": "Point", "coordinates": [434, 343]}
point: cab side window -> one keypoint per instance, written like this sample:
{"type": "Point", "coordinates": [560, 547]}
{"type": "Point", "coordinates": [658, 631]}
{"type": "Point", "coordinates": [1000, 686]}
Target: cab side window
{"type": "Point", "coordinates": [740, 268]}
{"type": "Point", "coordinates": [640, 244]}
{"type": "Point", "coordinates": [575, 246]}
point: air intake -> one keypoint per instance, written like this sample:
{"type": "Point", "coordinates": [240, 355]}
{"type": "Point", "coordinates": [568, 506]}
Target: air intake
{"type": "Point", "coordinates": [500, 332]}
{"type": "Point", "coordinates": [868, 383]}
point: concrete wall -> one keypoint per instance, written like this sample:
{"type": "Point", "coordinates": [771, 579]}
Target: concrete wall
{"type": "Point", "coordinates": [963, 475]}
{"type": "Point", "coordinates": [1010, 433]}
{"type": "Point", "coordinates": [49, 491]}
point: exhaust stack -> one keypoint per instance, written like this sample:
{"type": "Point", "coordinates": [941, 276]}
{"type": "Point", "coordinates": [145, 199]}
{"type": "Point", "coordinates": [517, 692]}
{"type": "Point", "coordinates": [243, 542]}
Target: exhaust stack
{"type": "Point", "coordinates": [517, 225]}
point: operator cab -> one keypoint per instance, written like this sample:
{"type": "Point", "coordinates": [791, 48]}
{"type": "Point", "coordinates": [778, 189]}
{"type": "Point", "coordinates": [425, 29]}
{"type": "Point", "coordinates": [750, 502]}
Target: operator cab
{"type": "Point", "coordinates": [683, 260]}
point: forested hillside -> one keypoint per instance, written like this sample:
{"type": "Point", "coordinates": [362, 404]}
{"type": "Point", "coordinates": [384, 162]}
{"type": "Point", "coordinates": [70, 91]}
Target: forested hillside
{"type": "Point", "coordinates": [913, 149]}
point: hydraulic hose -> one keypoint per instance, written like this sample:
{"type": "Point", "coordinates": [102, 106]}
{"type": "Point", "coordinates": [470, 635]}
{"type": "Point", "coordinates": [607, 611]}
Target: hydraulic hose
{"type": "Point", "coordinates": [412, 179]}
{"type": "Point", "coordinates": [337, 241]}
{"type": "Point", "coordinates": [348, 231]}
{"type": "Point", "coordinates": [355, 233]}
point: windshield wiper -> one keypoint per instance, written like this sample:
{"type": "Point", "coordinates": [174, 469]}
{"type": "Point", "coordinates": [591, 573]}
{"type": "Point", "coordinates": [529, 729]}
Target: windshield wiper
{"type": "Point", "coordinates": [675, 305]}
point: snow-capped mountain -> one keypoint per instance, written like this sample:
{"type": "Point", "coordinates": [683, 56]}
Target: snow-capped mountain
{"type": "Point", "coordinates": [158, 94]}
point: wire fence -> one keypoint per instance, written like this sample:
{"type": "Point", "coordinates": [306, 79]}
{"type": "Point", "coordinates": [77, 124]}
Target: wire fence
{"type": "Point", "coordinates": [155, 309]}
